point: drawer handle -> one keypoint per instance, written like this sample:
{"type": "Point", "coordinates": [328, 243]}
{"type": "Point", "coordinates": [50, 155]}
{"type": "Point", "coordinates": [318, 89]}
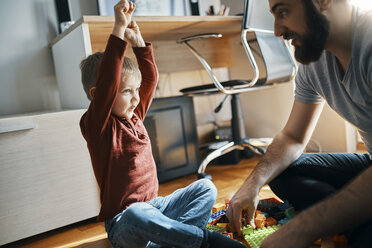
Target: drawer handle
{"type": "Point", "coordinates": [14, 127]}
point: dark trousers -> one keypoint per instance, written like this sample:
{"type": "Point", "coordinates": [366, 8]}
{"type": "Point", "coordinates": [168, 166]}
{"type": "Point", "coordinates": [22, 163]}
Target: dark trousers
{"type": "Point", "coordinates": [315, 176]}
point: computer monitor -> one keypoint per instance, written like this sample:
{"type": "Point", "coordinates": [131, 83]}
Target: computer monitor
{"type": "Point", "coordinates": [171, 125]}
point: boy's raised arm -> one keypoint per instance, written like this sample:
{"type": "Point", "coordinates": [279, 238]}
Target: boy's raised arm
{"type": "Point", "coordinates": [147, 66]}
{"type": "Point", "coordinates": [109, 71]}
{"type": "Point", "coordinates": [123, 17]}
{"type": "Point", "coordinates": [133, 35]}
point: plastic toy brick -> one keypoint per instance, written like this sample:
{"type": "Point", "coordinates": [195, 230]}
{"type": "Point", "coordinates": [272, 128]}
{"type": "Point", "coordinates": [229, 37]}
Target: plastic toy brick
{"type": "Point", "coordinates": [340, 241]}
{"type": "Point", "coordinates": [260, 221]}
{"type": "Point", "coordinates": [271, 221]}
{"type": "Point", "coordinates": [245, 220]}
{"type": "Point", "coordinates": [290, 213]}
{"type": "Point", "coordinates": [244, 217]}
{"type": "Point", "coordinates": [230, 235]}
{"type": "Point", "coordinates": [256, 237]}
{"type": "Point", "coordinates": [246, 230]}
{"type": "Point", "coordinates": [265, 214]}
{"type": "Point", "coordinates": [218, 207]}
{"type": "Point", "coordinates": [276, 212]}
{"type": "Point", "coordinates": [272, 199]}
{"type": "Point", "coordinates": [283, 221]}
{"type": "Point", "coordinates": [216, 216]}
{"type": "Point", "coordinates": [261, 216]}
{"type": "Point", "coordinates": [216, 228]}
{"type": "Point", "coordinates": [267, 203]}
{"type": "Point", "coordinates": [224, 225]}
{"type": "Point", "coordinates": [284, 205]}
{"type": "Point", "coordinates": [213, 221]}
{"type": "Point", "coordinates": [227, 201]}
{"type": "Point", "coordinates": [257, 213]}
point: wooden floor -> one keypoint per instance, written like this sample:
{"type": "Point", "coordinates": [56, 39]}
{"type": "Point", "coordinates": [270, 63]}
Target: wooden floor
{"type": "Point", "coordinates": [90, 233]}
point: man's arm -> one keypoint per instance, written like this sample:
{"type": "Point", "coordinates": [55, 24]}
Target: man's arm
{"type": "Point", "coordinates": [286, 147]}
{"type": "Point", "coordinates": [346, 209]}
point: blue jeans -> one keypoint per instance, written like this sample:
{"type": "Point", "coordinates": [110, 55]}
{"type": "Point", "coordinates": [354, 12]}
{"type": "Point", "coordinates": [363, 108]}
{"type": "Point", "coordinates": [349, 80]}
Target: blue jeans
{"type": "Point", "coordinates": [175, 220]}
{"type": "Point", "coordinates": [315, 176]}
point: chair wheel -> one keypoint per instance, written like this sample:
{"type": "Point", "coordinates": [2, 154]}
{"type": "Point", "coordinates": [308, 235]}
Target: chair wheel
{"type": "Point", "coordinates": [248, 153]}
{"type": "Point", "coordinates": [204, 175]}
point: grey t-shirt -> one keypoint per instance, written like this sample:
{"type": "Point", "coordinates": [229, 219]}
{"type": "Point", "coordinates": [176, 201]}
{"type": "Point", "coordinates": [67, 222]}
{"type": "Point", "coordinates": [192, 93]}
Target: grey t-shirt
{"type": "Point", "coordinates": [351, 95]}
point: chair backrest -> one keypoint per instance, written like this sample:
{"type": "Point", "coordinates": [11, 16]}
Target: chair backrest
{"type": "Point", "coordinates": [257, 16]}
{"type": "Point", "coordinates": [279, 63]}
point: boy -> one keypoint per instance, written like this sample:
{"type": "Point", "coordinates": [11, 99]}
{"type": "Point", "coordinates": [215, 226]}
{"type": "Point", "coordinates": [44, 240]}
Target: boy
{"type": "Point", "coordinates": [121, 155]}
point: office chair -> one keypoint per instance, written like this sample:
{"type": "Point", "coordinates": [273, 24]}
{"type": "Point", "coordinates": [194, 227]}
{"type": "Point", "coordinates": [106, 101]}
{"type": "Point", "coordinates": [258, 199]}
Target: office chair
{"type": "Point", "coordinates": [279, 64]}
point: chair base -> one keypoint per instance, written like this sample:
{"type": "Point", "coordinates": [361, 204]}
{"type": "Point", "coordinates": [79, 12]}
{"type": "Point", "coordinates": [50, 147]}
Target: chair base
{"type": "Point", "coordinates": [231, 146]}
{"type": "Point", "coordinates": [235, 158]}
{"type": "Point", "coordinates": [205, 175]}
{"type": "Point", "coordinates": [232, 157]}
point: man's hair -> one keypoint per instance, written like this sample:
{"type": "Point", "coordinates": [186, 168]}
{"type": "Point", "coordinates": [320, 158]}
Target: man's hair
{"type": "Point", "coordinates": [89, 70]}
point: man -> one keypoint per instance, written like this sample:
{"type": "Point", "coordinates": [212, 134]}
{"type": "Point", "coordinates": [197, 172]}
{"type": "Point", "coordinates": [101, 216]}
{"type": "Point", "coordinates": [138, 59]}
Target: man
{"type": "Point", "coordinates": [333, 43]}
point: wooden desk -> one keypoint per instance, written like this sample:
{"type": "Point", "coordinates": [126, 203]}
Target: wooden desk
{"type": "Point", "coordinates": [90, 33]}
{"type": "Point", "coordinates": [160, 28]}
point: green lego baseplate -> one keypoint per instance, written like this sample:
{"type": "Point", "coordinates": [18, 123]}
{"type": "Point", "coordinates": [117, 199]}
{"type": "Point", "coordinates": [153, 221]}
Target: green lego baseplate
{"type": "Point", "coordinates": [216, 228]}
{"type": "Point", "coordinates": [254, 237]}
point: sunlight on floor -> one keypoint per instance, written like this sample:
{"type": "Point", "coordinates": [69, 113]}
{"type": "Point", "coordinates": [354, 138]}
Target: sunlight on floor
{"type": "Point", "coordinates": [83, 241]}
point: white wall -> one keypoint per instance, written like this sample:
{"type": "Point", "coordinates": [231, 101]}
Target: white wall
{"type": "Point", "coordinates": [78, 8]}
{"type": "Point", "coordinates": [205, 4]}
{"type": "Point", "coordinates": [236, 6]}
{"type": "Point", "coordinates": [27, 81]}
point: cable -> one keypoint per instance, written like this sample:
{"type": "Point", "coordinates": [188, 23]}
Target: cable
{"type": "Point", "coordinates": [219, 107]}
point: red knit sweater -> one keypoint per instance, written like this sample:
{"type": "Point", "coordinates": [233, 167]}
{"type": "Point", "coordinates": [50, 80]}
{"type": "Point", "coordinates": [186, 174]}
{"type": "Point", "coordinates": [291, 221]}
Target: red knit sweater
{"type": "Point", "coordinates": [120, 149]}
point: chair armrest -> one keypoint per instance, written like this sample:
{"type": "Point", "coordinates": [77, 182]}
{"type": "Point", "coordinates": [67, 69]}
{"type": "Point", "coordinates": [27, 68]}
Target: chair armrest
{"type": "Point", "coordinates": [217, 83]}
{"type": "Point", "coordinates": [199, 36]}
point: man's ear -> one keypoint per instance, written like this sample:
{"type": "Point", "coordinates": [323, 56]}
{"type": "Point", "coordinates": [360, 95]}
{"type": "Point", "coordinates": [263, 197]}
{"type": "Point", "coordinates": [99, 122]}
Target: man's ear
{"type": "Point", "coordinates": [323, 4]}
{"type": "Point", "coordinates": [92, 91]}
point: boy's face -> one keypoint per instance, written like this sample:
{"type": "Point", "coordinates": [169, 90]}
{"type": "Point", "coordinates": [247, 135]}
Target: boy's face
{"type": "Point", "coordinates": [127, 97]}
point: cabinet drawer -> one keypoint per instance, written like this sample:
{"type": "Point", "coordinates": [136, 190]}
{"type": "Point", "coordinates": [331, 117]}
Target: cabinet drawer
{"type": "Point", "coordinates": [46, 178]}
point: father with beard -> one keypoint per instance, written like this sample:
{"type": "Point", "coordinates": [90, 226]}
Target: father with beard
{"type": "Point", "coordinates": [333, 43]}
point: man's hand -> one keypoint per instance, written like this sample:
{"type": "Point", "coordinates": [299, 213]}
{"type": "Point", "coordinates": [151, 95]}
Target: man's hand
{"type": "Point", "coordinates": [242, 200]}
{"type": "Point", "coordinates": [133, 35]}
{"type": "Point", "coordinates": [123, 16]}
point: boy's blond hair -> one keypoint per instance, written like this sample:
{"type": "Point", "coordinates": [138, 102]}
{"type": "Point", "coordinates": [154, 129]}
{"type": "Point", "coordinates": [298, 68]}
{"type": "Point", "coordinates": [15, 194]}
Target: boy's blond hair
{"type": "Point", "coordinates": [89, 70]}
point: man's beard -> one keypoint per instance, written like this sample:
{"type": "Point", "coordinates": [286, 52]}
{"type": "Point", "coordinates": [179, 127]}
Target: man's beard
{"type": "Point", "coordinates": [313, 42]}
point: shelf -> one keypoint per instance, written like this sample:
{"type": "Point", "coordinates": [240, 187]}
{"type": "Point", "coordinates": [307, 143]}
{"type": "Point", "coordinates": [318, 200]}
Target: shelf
{"type": "Point", "coordinates": [160, 27]}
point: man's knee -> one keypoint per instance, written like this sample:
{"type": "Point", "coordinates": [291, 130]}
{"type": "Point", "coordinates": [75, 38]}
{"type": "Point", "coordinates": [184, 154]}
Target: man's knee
{"type": "Point", "coordinates": [278, 183]}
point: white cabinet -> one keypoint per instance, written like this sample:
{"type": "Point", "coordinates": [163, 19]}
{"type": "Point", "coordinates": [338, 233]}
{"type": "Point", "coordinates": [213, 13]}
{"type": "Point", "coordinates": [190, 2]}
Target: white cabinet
{"type": "Point", "coordinates": [46, 177]}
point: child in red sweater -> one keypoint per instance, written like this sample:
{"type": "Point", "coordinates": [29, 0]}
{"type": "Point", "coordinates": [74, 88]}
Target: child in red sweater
{"type": "Point", "coordinates": [120, 150]}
